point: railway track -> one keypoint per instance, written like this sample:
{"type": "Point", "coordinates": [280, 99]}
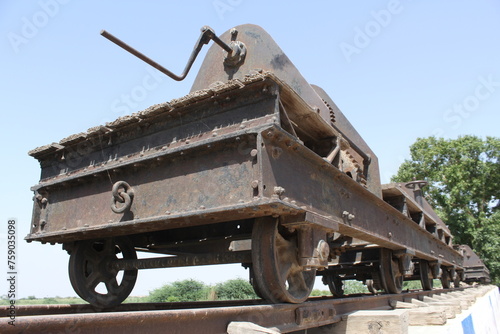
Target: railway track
{"type": "Point", "coordinates": [206, 317]}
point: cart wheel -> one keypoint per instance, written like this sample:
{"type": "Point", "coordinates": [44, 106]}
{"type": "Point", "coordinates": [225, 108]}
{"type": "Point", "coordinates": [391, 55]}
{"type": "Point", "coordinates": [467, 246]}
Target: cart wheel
{"type": "Point", "coordinates": [89, 267]}
{"type": "Point", "coordinates": [335, 284]}
{"type": "Point", "coordinates": [425, 275]}
{"type": "Point", "coordinates": [456, 282]}
{"type": "Point", "coordinates": [391, 276]}
{"type": "Point", "coordinates": [276, 270]}
{"type": "Point", "coordinates": [254, 283]}
{"type": "Point", "coordinates": [445, 278]}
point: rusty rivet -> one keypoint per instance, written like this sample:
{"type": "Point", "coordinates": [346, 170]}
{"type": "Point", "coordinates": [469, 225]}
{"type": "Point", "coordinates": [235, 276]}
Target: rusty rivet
{"type": "Point", "coordinates": [276, 152]}
{"type": "Point", "coordinates": [254, 152]}
{"type": "Point", "coordinates": [255, 184]}
{"type": "Point", "coordinates": [279, 190]}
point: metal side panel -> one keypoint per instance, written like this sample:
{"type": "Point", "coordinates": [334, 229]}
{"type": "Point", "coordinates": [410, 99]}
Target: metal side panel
{"type": "Point", "coordinates": [207, 178]}
{"type": "Point", "coordinates": [297, 175]}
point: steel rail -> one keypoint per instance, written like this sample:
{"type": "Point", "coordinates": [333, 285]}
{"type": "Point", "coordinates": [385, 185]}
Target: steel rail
{"type": "Point", "coordinates": [207, 317]}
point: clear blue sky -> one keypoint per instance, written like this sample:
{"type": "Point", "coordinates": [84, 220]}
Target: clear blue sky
{"type": "Point", "coordinates": [398, 70]}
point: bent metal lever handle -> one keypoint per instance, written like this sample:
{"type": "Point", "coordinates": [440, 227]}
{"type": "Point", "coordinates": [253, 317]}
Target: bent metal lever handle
{"type": "Point", "coordinates": [236, 49]}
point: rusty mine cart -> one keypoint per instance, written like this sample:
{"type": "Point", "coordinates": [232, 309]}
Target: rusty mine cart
{"type": "Point", "coordinates": [254, 166]}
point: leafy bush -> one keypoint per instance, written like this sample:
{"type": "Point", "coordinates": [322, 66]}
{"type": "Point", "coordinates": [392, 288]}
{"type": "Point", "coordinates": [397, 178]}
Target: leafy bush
{"type": "Point", "coordinates": [234, 289]}
{"type": "Point", "coordinates": [180, 291]}
{"type": "Point", "coordinates": [353, 287]}
{"type": "Point", "coordinates": [318, 292]}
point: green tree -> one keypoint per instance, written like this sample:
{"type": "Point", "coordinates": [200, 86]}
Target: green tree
{"type": "Point", "coordinates": [487, 242]}
{"type": "Point", "coordinates": [180, 291]}
{"type": "Point", "coordinates": [235, 289]}
{"type": "Point", "coordinates": [464, 179]}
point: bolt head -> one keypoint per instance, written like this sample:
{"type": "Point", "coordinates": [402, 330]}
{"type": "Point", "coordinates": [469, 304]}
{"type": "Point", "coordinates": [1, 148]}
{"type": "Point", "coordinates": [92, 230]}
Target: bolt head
{"type": "Point", "coordinates": [279, 190]}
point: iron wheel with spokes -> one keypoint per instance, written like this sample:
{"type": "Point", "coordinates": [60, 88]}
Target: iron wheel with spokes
{"type": "Point", "coordinates": [91, 275]}
{"type": "Point", "coordinates": [276, 271]}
